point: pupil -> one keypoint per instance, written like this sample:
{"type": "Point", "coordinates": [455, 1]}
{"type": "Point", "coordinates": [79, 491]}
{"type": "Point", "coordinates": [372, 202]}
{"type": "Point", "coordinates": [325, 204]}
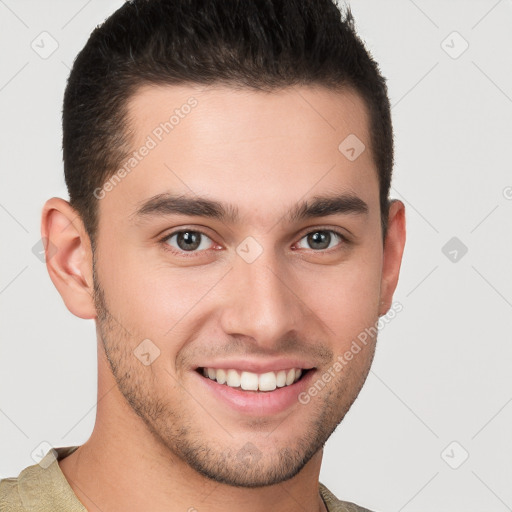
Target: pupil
{"type": "Point", "coordinates": [188, 240]}
{"type": "Point", "coordinates": [320, 239]}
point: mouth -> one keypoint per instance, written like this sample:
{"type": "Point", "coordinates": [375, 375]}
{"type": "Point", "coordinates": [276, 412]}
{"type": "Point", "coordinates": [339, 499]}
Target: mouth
{"type": "Point", "coordinates": [257, 388]}
{"type": "Point", "coordinates": [251, 382]}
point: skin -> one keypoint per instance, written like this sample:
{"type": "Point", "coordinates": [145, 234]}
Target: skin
{"type": "Point", "coordinates": [158, 442]}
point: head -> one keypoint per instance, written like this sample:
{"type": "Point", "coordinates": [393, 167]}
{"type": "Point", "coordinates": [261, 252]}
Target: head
{"type": "Point", "coordinates": [228, 165]}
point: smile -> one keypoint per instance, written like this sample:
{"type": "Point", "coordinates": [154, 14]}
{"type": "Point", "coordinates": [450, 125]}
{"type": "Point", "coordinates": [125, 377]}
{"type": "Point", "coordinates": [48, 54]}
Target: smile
{"type": "Point", "coordinates": [249, 381]}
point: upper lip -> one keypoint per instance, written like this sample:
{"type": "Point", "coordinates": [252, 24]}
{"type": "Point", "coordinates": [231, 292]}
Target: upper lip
{"type": "Point", "coordinates": [256, 366]}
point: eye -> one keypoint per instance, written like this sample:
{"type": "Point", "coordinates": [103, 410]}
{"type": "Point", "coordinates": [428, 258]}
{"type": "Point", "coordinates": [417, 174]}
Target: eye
{"type": "Point", "coordinates": [322, 239]}
{"type": "Point", "coordinates": [193, 241]}
{"type": "Point", "coordinates": [188, 240]}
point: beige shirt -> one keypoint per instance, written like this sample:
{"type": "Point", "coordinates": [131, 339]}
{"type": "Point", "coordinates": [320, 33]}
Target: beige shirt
{"type": "Point", "coordinates": [44, 488]}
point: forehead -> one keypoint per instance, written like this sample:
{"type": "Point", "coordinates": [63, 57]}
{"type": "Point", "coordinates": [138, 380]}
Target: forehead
{"type": "Point", "coordinates": [252, 148]}
{"type": "Point", "coordinates": [217, 113]}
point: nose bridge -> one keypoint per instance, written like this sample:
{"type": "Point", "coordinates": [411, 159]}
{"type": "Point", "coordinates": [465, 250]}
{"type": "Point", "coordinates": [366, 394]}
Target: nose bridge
{"type": "Point", "coordinates": [260, 303]}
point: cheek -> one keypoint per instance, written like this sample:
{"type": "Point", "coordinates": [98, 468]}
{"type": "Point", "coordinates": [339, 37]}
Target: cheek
{"type": "Point", "coordinates": [347, 297]}
{"type": "Point", "coordinates": [153, 300]}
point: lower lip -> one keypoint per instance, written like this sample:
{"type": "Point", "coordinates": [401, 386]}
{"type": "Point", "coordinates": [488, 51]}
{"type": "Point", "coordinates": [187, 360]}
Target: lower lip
{"type": "Point", "coordinates": [259, 403]}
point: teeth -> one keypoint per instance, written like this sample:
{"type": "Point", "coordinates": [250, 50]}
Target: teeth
{"type": "Point", "coordinates": [249, 381]}
{"type": "Point", "coordinates": [233, 379]}
{"type": "Point", "coordinates": [252, 381]}
{"type": "Point", "coordinates": [268, 381]}
{"type": "Point", "coordinates": [221, 376]}
{"type": "Point", "coordinates": [281, 379]}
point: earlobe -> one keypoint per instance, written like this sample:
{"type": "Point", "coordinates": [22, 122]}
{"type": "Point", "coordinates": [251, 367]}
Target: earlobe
{"type": "Point", "coordinates": [68, 256]}
{"type": "Point", "coordinates": [392, 258]}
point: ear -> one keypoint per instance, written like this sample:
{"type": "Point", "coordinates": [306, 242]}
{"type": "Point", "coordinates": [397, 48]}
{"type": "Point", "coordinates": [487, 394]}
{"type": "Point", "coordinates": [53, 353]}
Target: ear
{"type": "Point", "coordinates": [68, 256]}
{"type": "Point", "coordinates": [393, 250]}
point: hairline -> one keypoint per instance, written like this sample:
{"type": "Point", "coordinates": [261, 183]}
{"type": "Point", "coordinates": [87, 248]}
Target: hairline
{"type": "Point", "coordinates": [128, 131]}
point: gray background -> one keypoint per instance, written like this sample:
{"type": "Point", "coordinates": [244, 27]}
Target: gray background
{"type": "Point", "coordinates": [440, 387]}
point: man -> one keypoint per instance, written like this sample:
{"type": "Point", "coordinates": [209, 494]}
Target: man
{"type": "Point", "coordinates": [229, 230]}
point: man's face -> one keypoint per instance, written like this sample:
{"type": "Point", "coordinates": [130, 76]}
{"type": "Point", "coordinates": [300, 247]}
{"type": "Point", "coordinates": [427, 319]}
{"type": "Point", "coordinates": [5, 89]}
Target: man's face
{"type": "Point", "coordinates": [264, 292]}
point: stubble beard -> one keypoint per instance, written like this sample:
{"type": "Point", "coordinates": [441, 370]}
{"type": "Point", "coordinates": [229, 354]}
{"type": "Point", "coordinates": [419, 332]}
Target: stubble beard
{"type": "Point", "coordinates": [238, 462]}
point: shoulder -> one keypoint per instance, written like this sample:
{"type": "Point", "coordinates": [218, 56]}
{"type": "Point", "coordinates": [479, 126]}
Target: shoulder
{"type": "Point", "coordinates": [335, 505]}
{"type": "Point", "coordinates": [9, 494]}
{"type": "Point", "coordinates": [15, 495]}
{"type": "Point", "coordinates": [41, 486]}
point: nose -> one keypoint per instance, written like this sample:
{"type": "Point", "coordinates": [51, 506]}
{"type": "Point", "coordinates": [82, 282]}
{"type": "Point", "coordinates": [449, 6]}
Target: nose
{"type": "Point", "coordinates": [262, 301]}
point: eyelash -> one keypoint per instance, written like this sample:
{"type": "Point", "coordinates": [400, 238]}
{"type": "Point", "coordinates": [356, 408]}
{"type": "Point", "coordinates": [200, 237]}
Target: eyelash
{"type": "Point", "coordinates": [192, 254]}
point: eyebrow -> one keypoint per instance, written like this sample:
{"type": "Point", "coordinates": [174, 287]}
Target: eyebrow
{"type": "Point", "coordinates": [318, 206]}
